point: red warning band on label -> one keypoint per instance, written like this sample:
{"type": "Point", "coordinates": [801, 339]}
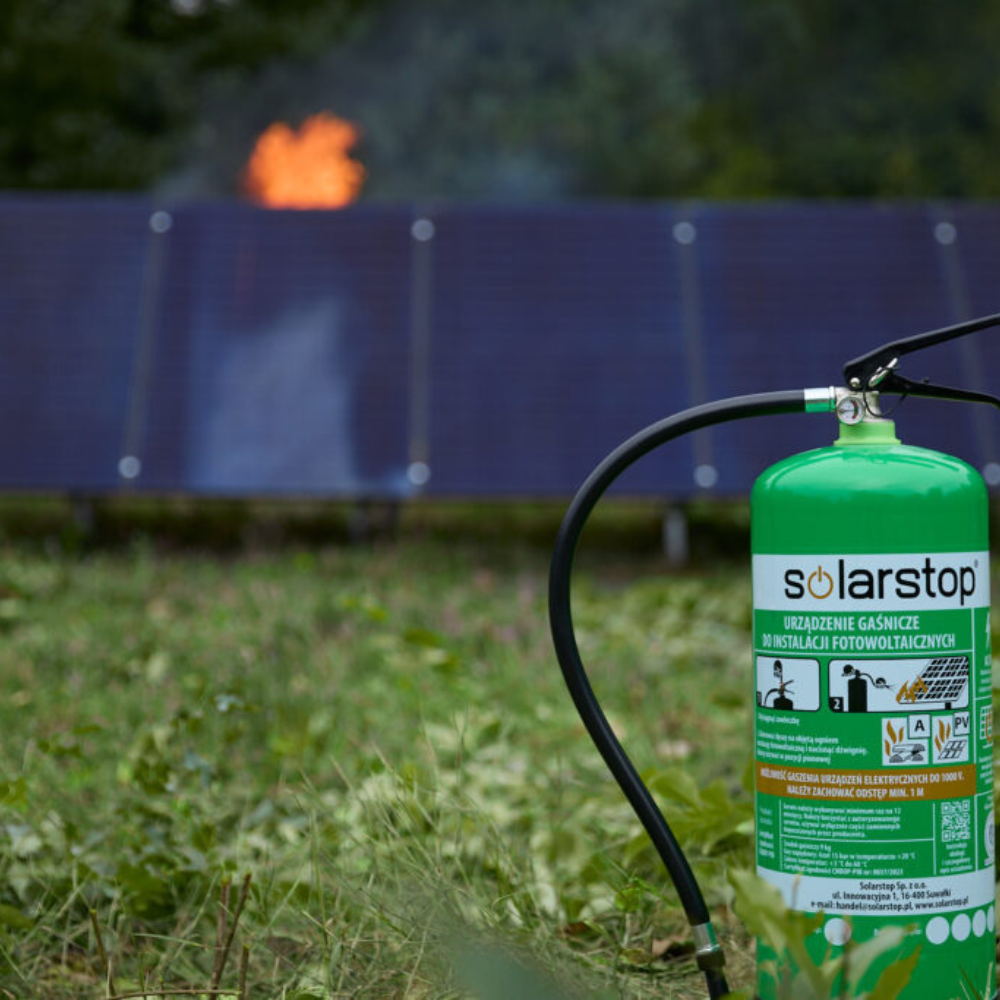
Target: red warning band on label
{"type": "Point", "coordinates": [866, 786]}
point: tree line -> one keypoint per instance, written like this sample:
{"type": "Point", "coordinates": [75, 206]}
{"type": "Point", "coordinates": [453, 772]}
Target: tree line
{"type": "Point", "coordinates": [518, 101]}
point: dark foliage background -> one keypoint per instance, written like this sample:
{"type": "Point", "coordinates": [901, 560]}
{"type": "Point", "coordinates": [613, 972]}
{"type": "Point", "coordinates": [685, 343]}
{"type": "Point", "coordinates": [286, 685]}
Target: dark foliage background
{"type": "Point", "coordinates": [509, 101]}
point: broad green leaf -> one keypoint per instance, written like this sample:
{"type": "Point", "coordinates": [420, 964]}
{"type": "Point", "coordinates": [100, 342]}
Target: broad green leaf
{"type": "Point", "coordinates": [860, 957]}
{"type": "Point", "coordinates": [890, 984]}
{"type": "Point", "coordinates": [12, 917]}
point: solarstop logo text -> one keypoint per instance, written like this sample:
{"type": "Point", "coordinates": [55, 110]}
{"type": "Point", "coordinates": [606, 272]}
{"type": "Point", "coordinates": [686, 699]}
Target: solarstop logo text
{"type": "Point", "coordinates": [925, 580]}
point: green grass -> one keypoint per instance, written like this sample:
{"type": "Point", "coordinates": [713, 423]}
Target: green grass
{"type": "Point", "coordinates": [378, 733]}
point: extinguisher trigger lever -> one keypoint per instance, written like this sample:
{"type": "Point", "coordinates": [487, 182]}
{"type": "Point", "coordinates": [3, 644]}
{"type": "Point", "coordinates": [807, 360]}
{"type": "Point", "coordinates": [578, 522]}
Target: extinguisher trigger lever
{"type": "Point", "coordinates": [899, 385]}
{"type": "Point", "coordinates": [877, 368]}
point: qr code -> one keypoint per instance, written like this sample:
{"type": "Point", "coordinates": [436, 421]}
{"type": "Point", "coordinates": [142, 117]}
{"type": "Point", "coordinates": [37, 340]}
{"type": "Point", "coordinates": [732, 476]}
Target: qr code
{"type": "Point", "coordinates": [956, 820]}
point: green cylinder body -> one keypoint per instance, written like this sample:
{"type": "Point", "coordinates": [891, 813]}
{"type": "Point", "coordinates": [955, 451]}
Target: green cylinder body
{"type": "Point", "coordinates": [873, 727]}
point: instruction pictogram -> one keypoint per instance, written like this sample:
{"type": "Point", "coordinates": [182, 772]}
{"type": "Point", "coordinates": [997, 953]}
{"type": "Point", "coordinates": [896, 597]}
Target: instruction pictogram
{"type": "Point", "coordinates": [897, 746]}
{"type": "Point", "coordinates": [941, 682]}
{"type": "Point", "coordinates": [951, 738]}
{"type": "Point", "coordinates": [789, 685]}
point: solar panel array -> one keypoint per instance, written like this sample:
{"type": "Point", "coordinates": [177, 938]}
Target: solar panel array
{"type": "Point", "coordinates": [461, 351]}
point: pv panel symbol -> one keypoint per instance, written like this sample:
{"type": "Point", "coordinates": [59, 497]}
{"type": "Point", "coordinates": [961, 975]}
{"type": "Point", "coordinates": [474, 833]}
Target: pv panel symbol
{"type": "Point", "coordinates": [953, 750]}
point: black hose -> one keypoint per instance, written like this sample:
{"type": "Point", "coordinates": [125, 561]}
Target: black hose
{"type": "Point", "coordinates": [709, 955]}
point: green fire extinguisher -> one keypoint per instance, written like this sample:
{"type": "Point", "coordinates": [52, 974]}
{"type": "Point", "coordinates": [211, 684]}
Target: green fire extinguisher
{"type": "Point", "coordinates": [871, 677]}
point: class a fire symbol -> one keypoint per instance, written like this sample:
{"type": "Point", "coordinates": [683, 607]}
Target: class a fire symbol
{"type": "Point", "coordinates": [943, 734]}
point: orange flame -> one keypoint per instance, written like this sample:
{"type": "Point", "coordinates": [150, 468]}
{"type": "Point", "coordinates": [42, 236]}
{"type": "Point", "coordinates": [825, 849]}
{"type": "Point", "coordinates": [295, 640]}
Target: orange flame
{"type": "Point", "coordinates": [308, 168]}
{"type": "Point", "coordinates": [944, 733]}
{"type": "Point", "coordinates": [911, 692]}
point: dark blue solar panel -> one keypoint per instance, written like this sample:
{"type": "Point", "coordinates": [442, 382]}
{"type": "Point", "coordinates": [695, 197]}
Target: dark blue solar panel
{"type": "Point", "coordinates": [556, 334]}
{"type": "Point", "coordinates": [976, 245]}
{"type": "Point", "coordinates": [976, 236]}
{"type": "Point", "coordinates": [249, 352]}
{"type": "Point", "coordinates": [281, 361]}
{"type": "Point", "coordinates": [72, 278]}
{"type": "Point", "coordinates": [788, 294]}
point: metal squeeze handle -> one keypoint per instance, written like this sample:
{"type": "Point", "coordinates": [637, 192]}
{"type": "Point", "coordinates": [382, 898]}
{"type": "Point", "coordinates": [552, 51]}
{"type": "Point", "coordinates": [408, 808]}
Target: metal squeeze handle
{"type": "Point", "coordinates": [877, 369]}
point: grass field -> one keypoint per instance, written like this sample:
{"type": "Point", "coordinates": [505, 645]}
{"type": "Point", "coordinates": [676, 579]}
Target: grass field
{"type": "Point", "coordinates": [380, 735]}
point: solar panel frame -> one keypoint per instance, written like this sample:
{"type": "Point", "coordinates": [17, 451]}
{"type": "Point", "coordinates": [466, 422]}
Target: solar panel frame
{"type": "Point", "coordinates": [976, 251]}
{"type": "Point", "coordinates": [282, 358]}
{"type": "Point", "coordinates": [557, 333]}
{"type": "Point", "coordinates": [70, 304]}
{"type": "Point", "coordinates": [789, 292]}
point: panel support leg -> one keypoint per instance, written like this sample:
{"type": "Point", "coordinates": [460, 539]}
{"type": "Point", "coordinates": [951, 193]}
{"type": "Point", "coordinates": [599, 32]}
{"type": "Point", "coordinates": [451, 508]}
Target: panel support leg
{"type": "Point", "coordinates": [82, 512]}
{"type": "Point", "coordinates": [372, 519]}
{"type": "Point", "coordinates": [675, 536]}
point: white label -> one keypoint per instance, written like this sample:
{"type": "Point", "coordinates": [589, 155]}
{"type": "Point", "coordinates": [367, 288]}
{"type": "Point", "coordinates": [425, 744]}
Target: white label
{"type": "Point", "coordinates": [883, 897]}
{"type": "Point", "coordinates": [906, 582]}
